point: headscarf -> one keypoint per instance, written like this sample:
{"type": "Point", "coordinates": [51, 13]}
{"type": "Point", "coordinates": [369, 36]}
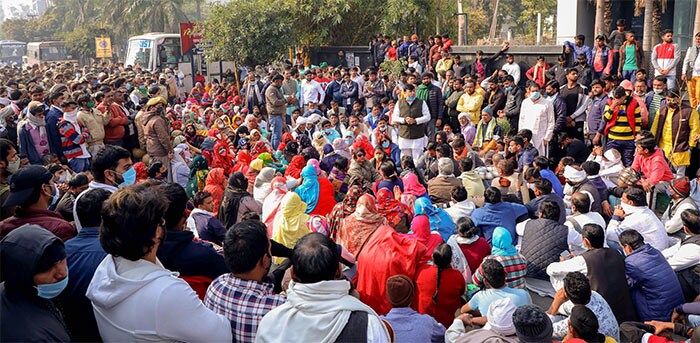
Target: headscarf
{"type": "Point", "coordinates": [198, 175]}
{"type": "Point", "coordinates": [215, 186]}
{"type": "Point", "coordinates": [412, 186]}
{"type": "Point", "coordinates": [222, 158]}
{"type": "Point", "coordinates": [362, 142]}
{"type": "Point", "coordinates": [258, 148]}
{"type": "Point", "coordinates": [421, 232]}
{"type": "Point", "coordinates": [502, 243]}
{"type": "Point", "coordinates": [393, 210]}
{"type": "Point", "coordinates": [266, 158]}
{"type": "Point", "coordinates": [341, 148]}
{"type": "Point", "coordinates": [295, 167]}
{"type": "Point", "coordinates": [343, 209]}
{"type": "Point", "coordinates": [440, 221]}
{"type": "Point", "coordinates": [310, 153]}
{"type": "Point", "coordinates": [290, 150]}
{"type": "Point", "coordinates": [271, 204]}
{"type": "Point", "coordinates": [319, 141]}
{"type": "Point", "coordinates": [318, 224]}
{"type": "Point", "coordinates": [286, 138]}
{"type": "Point", "coordinates": [290, 226]}
{"type": "Point", "coordinates": [208, 144]}
{"type": "Point", "coordinates": [243, 160]}
{"type": "Point", "coordinates": [360, 225]}
{"type": "Point", "coordinates": [314, 163]}
{"type": "Point", "coordinates": [304, 142]}
{"type": "Point", "coordinates": [329, 157]}
{"type": "Point", "coordinates": [141, 172]}
{"type": "Point", "coordinates": [310, 188]}
{"type": "Point", "coordinates": [261, 188]}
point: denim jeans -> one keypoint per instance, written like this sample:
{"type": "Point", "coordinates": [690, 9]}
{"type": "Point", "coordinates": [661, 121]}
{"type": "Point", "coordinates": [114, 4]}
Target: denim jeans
{"type": "Point", "coordinates": [629, 75]}
{"type": "Point", "coordinates": [626, 149]}
{"type": "Point", "coordinates": [276, 123]}
{"type": "Point", "coordinates": [79, 165]}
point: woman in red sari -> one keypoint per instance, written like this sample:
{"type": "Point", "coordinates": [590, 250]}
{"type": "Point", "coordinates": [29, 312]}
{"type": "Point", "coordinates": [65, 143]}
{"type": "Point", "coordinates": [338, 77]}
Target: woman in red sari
{"type": "Point", "coordinates": [421, 232]}
{"type": "Point", "coordinates": [243, 160]}
{"type": "Point", "coordinates": [362, 142]}
{"type": "Point", "coordinates": [222, 158]}
{"type": "Point", "coordinates": [439, 287]}
{"type": "Point", "coordinates": [397, 214]}
{"type": "Point", "coordinates": [360, 225]}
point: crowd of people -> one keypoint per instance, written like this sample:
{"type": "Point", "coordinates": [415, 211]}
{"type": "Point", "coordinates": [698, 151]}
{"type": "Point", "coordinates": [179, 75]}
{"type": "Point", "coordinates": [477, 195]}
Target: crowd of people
{"type": "Point", "coordinates": [330, 204]}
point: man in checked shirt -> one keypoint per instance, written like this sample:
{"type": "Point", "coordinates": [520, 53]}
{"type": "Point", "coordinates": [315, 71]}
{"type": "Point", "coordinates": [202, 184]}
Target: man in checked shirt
{"type": "Point", "coordinates": [241, 295]}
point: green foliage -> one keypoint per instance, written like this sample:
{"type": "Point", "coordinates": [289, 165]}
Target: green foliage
{"type": "Point", "coordinates": [247, 31]}
{"type": "Point", "coordinates": [394, 68]}
{"type": "Point", "coordinates": [81, 40]}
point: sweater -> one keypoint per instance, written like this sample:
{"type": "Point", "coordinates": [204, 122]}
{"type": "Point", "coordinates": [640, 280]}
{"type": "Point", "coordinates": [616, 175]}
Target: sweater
{"type": "Point", "coordinates": [542, 243]}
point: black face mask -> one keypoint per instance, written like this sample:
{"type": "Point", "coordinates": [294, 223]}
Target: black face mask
{"type": "Point", "coordinates": [673, 105]}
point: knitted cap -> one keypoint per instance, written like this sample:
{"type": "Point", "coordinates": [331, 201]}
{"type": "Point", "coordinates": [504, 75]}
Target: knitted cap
{"type": "Point", "coordinates": [532, 325]}
{"type": "Point", "coordinates": [399, 291]}
{"type": "Point", "coordinates": [681, 186]}
{"type": "Point", "coordinates": [628, 176]}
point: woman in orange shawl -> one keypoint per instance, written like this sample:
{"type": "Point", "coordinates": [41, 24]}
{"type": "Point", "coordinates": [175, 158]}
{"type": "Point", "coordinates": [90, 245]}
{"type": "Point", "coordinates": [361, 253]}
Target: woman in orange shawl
{"type": "Point", "coordinates": [360, 225]}
{"type": "Point", "coordinates": [362, 142]}
{"type": "Point", "coordinates": [243, 160]}
{"type": "Point", "coordinates": [343, 209]}
{"type": "Point", "coordinates": [215, 186]}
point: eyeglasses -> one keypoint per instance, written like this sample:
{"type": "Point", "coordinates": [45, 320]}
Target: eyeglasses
{"type": "Point", "coordinates": [360, 155]}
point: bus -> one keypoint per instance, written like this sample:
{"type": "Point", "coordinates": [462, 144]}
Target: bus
{"type": "Point", "coordinates": [43, 53]}
{"type": "Point", "coordinates": [11, 51]}
{"type": "Point", "coordinates": [155, 51]}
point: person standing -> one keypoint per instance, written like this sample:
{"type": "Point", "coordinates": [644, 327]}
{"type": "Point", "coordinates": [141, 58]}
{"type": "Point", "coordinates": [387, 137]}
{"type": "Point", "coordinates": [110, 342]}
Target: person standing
{"type": "Point", "coordinates": [691, 72]}
{"type": "Point", "coordinates": [631, 58]}
{"type": "Point", "coordinates": [252, 93]}
{"type": "Point", "coordinates": [53, 116]}
{"type": "Point", "coordinates": [470, 102]}
{"type": "Point", "coordinates": [73, 138]}
{"type": "Point", "coordinates": [665, 56]}
{"type": "Point", "coordinates": [575, 95]}
{"type": "Point", "coordinates": [158, 145]}
{"type": "Point", "coordinates": [622, 120]}
{"type": "Point", "coordinates": [602, 58]}
{"type": "Point", "coordinates": [115, 129]}
{"type": "Point", "coordinates": [676, 128]}
{"type": "Point", "coordinates": [349, 91]}
{"type": "Point", "coordinates": [537, 115]}
{"type": "Point", "coordinates": [512, 68]}
{"type": "Point", "coordinates": [411, 115]}
{"type": "Point", "coordinates": [452, 101]}
{"type": "Point", "coordinates": [374, 91]}
{"type": "Point", "coordinates": [94, 121]}
{"type": "Point", "coordinates": [276, 108]}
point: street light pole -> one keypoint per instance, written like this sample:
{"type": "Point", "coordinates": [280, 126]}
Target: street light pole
{"type": "Point", "coordinates": [463, 36]}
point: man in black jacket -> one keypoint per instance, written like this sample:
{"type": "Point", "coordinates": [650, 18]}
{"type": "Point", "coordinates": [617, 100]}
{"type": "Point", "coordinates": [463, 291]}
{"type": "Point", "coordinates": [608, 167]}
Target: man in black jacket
{"type": "Point", "coordinates": [514, 99]}
{"type": "Point", "coordinates": [495, 97]}
{"type": "Point", "coordinates": [435, 102]}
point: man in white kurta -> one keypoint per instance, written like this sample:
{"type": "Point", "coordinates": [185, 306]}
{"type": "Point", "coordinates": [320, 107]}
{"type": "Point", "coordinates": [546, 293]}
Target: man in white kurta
{"type": "Point", "coordinates": [537, 115]}
{"type": "Point", "coordinates": [410, 146]}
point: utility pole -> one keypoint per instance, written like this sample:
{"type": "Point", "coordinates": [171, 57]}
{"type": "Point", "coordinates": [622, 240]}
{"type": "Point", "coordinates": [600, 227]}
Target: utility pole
{"type": "Point", "coordinates": [461, 24]}
{"type": "Point", "coordinates": [494, 21]}
{"type": "Point", "coordinates": [697, 17]}
{"type": "Point", "coordinates": [599, 23]}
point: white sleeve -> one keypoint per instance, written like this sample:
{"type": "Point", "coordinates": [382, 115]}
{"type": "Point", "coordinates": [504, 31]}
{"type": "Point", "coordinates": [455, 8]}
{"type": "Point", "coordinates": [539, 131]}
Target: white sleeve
{"type": "Point", "coordinates": [516, 73]}
{"type": "Point", "coordinates": [395, 115]}
{"type": "Point", "coordinates": [454, 331]}
{"type": "Point", "coordinates": [684, 256]}
{"type": "Point", "coordinates": [376, 331]}
{"type": "Point", "coordinates": [613, 231]}
{"type": "Point", "coordinates": [558, 270]}
{"type": "Point", "coordinates": [178, 307]}
{"type": "Point", "coordinates": [321, 92]}
{"type": "Point", "coordinates": [574, 239]}
{"type": "Point", "coordinates": [675, 224]}
{"type": "Point", "coordinates": [426, 115]}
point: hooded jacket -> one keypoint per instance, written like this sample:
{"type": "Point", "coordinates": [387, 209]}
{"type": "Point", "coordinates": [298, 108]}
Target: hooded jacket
{"type": "Point", "coordinates": [142, 301]}
{"type": "Point", "coordinates": [25, 316]}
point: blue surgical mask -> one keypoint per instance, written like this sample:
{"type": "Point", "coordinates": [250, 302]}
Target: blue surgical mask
{"type": "Point", "coordinates": [410, 98]}
{"type": "Point", "coordinates": [349, 141]}
{"type": "Point", "coordinates": [385, 144]}
{"type": "Point", "coordinates": [508, 89]}
{"type": "Point", "coordinates": [535, 95]}
{"type": "Point", "coordinates": [129, 178]}
{"type": "Point", "coordinates": [51, 290]}
{"type": "Point", "coordinates": [56, 195]}
{"type": "Point", "coordinates": [327, 132]}
{"type": "Point", "coordinates": [127, 86]}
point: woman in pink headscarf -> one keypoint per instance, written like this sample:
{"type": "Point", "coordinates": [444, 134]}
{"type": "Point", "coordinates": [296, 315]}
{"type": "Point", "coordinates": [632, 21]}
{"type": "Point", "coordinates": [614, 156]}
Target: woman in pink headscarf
{"type": "Point", "coordinates": [412, 190]}
{"type": "Point", "coordinates": [421, 232]}
{"type": "Point", "coordinates": [272, 201]}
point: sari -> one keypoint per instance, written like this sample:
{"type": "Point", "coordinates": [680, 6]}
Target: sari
{"type": "Point", "coordinates": [421, 232]}
{"type": "Point", "coordinates": [440, 221]}
{"type": "Point", "coordinates": [261, 187]}
{"type": "Point", "coordinates": [290, 226]}
{"type": "Point", "coordinates": [243, 160]}
{"type": "Point", "coordinates": [309, 189]}
{"type": "Point", "coordinates": [393, 210]}
{"type": "Point", "coordinates": [412, 190]}
{"type": "Point", "coordinates": [343, 209]}
{"type": "Point", "coordinates": [360, 225]}
{"type": "Point", "coordinates": [198, 176]}
{"type": "Point", "coordinates": [295, 167]}
{"type": "Point", "coordinates": [222, 158]}
{"type": "Point", "coordinates": [341, 148]}
{"type": "Point", "coordinates": [141, 172]}
{"type": "Point", "coordinates": [362, 142]}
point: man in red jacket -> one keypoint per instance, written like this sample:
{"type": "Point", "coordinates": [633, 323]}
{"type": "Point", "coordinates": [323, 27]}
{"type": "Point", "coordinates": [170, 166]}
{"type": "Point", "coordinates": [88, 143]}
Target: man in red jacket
{"type": "Point", "coordinates": [115, 129]}
{"type": "Point", "coordinates": [33, 191]}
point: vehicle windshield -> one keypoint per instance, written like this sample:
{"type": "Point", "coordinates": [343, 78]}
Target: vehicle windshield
{"type": "Point", "coordinates": [11, 51]}
{"type": "Point", "coordinates": [139, 52]}
{"type": "Point", "coordinates": [53, 53]}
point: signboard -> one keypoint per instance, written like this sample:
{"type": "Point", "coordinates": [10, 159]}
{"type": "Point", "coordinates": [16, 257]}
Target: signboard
{"type": "Point", "coordinates": [188, 41]}
{"type": "Point", "coordinates": [103, 47]}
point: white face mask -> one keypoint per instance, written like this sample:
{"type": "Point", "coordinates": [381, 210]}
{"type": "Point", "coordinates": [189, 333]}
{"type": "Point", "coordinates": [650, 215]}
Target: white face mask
{"type": "Point", "coordinates": [658, 91]}
{"type": "Point", "coordinates": [13, 166]}
{"type": "Point", "coordinates": [627, 207]}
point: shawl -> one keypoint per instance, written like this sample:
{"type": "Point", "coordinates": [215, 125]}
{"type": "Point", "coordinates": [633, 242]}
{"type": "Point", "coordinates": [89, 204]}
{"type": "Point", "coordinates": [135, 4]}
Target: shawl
{"type": "Point", "coordinates": [290, 226]}
{"type": "Point", "coordinates": [459, 261]}
{"type": "Point", "coordinates": [231, 202]}
{"type": "Point", "coordinates": [259, 148]}
{"type": "Point", "coordinates": [272, 201]}
{"type": "Point", "coordinates": [141, 172]}
{"type": "Point", "coordinates": [360, 225]}
{"type": "Point", "coordinates": [481, 138]}
{"type": "Point", "coordinates": [304, 142]}
{"type": "Point", "coordinates": [319, 141]}
{"type": "Point", "coordinates": [198, 176]}
{"type": "Point", "coordinates": [286, 138]}
{"type": "Point", "coordinates": [440, 221]}
{"type": "Point", "coordinates": [295, 167]}
{"type": "Point", "coordinates": [412, 186]}
{"type": "Point", "coordinates": [243, 160]}
{"type": "Point", "coordinates": [326, 197]}
{"type": "Point", "coordinates": [215, 186]}
{"type": "Point", "coordinates": [420, 226]}
{"type": "Point", "coordinates": [309, 189]}
{"type": "Point", "coordinates": [318, 224]}
{"type": "Point", "coordinates": [341, 148]}
{"type": "Point", "coordinates": [343, 209]}
{"type": "Point", "coordinates": [423, 92]}
{"type": "Point", "coordinates": [362, 142]}
{"type": "Point", "coordinates": [393, 210]}
{"type": "Point", "coordinates": [222, 158]}
{"type": "Point", "coordinates": [502, 243]}
{"type": "Point", "coordinates": [262, 188]}
{"type": "Point", "coordinates": [208, 144]}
